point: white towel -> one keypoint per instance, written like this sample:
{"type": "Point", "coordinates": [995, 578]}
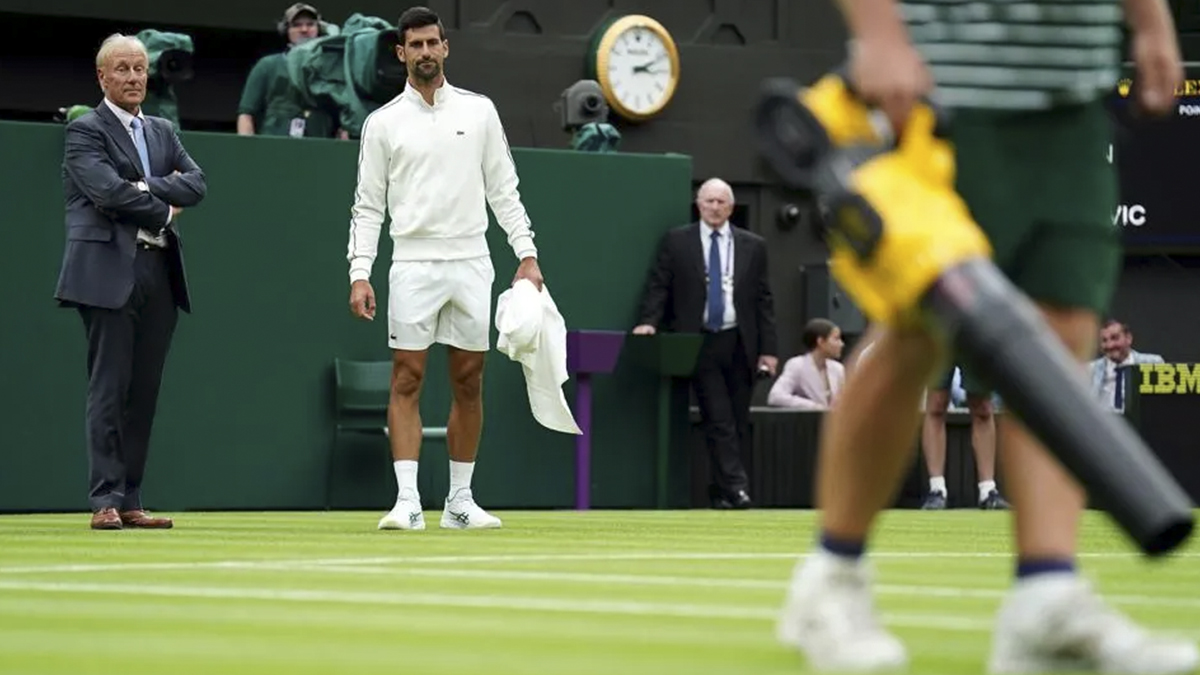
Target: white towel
{"type": "Point", "coordinates": [534, 334]}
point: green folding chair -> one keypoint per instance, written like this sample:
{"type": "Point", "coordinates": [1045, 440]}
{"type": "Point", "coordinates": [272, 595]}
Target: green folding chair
{"type": "Point", "coordinates": [361, 391]}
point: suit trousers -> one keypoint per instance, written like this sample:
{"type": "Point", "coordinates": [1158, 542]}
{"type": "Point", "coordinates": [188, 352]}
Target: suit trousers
{"type": "Point", "coordinates": [723, 384]}
{"type": "Point", "coordinates": [127, 349]}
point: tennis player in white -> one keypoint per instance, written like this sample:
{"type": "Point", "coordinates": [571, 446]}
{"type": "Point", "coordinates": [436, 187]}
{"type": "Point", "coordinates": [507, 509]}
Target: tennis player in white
{"type": "Point", "coordinates": [430, 159]}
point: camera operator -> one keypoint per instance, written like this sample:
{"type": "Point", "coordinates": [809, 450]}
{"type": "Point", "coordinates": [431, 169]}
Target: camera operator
{"type": "Point", "coordinates": [270, 105]}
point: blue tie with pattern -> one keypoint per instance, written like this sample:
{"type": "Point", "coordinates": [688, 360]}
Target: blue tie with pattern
{"type": "Point", "coordinates": [139, 141]}
{"type": "Point", "coordinates": [716, 295]}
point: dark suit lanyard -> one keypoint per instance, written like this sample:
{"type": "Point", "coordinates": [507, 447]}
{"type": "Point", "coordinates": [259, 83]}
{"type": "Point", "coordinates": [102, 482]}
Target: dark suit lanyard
{"type": "Point", "coordinates": [727, 263]}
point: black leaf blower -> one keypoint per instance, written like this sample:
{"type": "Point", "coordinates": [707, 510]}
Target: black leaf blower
{"type": "Point", "coordinates": [904, 246]}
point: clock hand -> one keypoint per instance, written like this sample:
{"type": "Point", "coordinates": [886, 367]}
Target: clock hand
{"type": "Point", "coordinates": [645, 67]}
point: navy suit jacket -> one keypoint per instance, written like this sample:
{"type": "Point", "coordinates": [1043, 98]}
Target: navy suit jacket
{"type": "Point", "coordinates": [105, 209]}
{"type": "Point", "coordinates": [675, 291]}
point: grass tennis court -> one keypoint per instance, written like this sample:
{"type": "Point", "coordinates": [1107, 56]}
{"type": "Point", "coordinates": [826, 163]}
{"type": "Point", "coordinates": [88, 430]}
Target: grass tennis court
{"type": "Point", "coordinates": [562, 593]}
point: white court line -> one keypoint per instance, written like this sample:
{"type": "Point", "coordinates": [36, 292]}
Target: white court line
{"type": "Point", "coordinates": [534, 557]}
{"type": "Point", "coordinates": [709, 582]}
{"type": "Point", "coordinates": [390, 560]}
{"type": "Point", "coordinates": [943, 622]}
{"type": "Point", "coordinates": [691, 611]}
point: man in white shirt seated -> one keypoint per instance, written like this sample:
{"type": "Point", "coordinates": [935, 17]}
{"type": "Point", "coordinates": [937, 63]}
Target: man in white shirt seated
{"type": "Point", "coordinates": [1116, 343]}
{"type": "Point", "coordinates": [813, 380]}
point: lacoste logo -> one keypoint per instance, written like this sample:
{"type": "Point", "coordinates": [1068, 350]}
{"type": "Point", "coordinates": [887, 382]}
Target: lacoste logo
{"type": "Point", "coordinates": [461, 133]}
{"type": "Point", "coordinates": [461, 517]}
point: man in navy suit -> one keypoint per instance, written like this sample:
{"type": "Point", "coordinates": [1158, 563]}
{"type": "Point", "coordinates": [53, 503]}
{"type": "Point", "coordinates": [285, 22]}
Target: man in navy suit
{"type": "Point", "coordinates": [711, 278]}
{"type": "Point", "coordinates": [126, 179]}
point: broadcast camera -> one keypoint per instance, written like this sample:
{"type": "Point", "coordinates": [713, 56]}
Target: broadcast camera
{"type": "Point", "coordinates": [585, 113]}
{"type": "Point", "coordinates": [352, 72]}
{"type": "Point", "coordinates": [170, 64]}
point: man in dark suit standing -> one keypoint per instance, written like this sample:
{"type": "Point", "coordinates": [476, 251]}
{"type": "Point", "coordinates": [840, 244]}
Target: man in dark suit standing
{"type": "Point", "coordinates": [126, 178]}
{"type": "Point", "coordinates": [711, 278]}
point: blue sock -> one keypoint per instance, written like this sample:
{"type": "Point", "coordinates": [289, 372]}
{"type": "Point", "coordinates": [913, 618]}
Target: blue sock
{"type": "Point", "coordinates": [1028, 567]}
{"type": "Point", "coordinates": [845, 548]}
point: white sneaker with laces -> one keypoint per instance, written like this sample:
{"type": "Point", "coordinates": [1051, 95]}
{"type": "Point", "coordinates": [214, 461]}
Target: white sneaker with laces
{"type": "Point", "coordinates": [405, 515]}
{"type": "Point", "coordinates": [829, 615]}
{"type": "Point", "coordinates": [1055, 623]}
{"type": "Point", "coordinates": [462, 513]}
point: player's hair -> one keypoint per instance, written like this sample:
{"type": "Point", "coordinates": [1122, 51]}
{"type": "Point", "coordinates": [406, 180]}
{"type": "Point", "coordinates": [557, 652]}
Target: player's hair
{"type": "Point", "coordinates": [815, 331]}
{"type": "Point", "coordinates": [418, 17]}
{"type": "Point", "coordinates": [114, 42]}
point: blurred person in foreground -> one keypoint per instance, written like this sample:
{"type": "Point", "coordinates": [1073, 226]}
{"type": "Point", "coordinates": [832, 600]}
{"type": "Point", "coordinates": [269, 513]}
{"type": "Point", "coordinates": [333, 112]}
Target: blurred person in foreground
{"type": "Point", "coordinates": [1024, 82]}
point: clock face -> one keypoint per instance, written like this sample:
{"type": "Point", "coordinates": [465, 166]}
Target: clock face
{"type": "Point", "coordinates": [640, 70]}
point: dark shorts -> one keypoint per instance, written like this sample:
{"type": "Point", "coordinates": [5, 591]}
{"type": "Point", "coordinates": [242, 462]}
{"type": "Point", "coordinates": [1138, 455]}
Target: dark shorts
{"type": "Point", "coordinates": [973, 386]}
{"type": "Point", "coordinates": [1041, 188]}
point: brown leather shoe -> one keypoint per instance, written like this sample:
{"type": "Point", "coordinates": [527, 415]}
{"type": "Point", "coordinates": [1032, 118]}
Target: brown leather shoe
{"type": "Point", "coordinates": [140, 518]}
{"type": "Point", "coordinates": [106, 519]}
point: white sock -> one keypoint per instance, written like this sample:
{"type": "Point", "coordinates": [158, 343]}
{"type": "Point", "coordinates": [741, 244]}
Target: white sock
{"type": "Point", "coordinates": [985, 488]}
{"type": "Point", "coordinates": [460, 477]}
{"type": "Point", "coordinates": [937, 484]}
{"type": "Point", "coordinates": [406, 479]}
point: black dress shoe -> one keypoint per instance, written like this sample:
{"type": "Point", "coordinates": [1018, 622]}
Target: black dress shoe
{"type": "Point", "coordinates": [721, 504]}
{"type": "Point", "coordinates": [741, 500]}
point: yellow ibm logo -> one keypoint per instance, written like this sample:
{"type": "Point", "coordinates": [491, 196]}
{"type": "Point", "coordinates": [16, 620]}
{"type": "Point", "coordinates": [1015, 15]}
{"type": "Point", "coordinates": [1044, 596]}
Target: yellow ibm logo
{"type": "Point", "coordinates": [1169, 378]}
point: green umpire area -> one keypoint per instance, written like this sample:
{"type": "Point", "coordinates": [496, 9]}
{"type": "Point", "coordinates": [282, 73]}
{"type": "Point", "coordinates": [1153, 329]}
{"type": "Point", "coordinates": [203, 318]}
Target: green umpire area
{"type": "Point", "coordinates": [592, 593]}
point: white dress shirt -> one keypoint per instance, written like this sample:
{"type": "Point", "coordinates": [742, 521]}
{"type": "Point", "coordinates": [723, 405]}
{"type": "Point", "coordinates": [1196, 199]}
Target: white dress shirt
{"type": "Point", "coordinates": [144, 236]}
{"type": "Point", "coordinates": [725, 239]}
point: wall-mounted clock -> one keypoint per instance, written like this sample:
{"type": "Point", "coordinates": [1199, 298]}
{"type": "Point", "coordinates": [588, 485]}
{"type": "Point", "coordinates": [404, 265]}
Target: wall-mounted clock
{"type": "Point", "coordinates": [636, 62]}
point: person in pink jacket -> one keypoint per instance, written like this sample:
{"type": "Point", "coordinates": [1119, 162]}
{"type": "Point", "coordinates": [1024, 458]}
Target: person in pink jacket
{"type": "Point", "coordinates": [813, 380]}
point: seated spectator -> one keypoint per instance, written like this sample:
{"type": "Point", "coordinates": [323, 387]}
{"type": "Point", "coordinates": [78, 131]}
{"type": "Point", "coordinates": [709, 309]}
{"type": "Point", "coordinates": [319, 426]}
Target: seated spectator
{"type": "Point", "coordinates": [814, 380]}
{"type": "Point", "coordinates": [1116, 343]}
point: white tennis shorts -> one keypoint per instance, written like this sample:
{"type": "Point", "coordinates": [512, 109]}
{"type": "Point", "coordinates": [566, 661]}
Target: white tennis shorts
{"type": "Point", "coordinates": [446, 301]}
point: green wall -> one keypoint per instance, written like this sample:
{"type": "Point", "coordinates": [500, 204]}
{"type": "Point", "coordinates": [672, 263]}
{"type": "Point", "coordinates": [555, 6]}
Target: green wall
{"type": "Point", "coordinates": [245, 413]}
